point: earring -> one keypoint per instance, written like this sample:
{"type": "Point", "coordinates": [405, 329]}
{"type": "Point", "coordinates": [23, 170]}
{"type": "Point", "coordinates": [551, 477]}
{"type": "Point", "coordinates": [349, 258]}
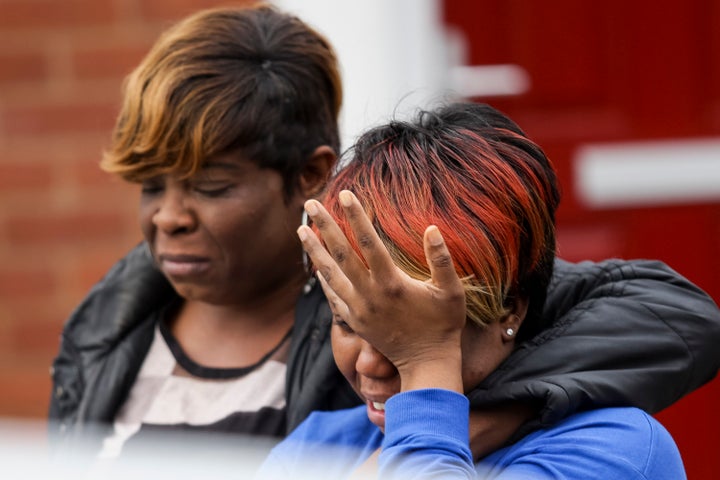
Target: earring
{"type": "Point", "coordinates": [307, 264]}
{"type": "Point", "coordinates": [510, 332]}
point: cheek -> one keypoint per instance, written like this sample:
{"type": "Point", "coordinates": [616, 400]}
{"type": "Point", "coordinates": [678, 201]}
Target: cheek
{"type": "Point", "coordinates": [145, 213]}
{"type": "Point", "coordinates": [263, 213]}
{"type": "Point", "coordinates": [231, 221]}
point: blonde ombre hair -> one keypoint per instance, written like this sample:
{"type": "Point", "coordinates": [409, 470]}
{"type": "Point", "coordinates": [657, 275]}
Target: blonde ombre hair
{"type": "Point", "coordinates": [250, 79]}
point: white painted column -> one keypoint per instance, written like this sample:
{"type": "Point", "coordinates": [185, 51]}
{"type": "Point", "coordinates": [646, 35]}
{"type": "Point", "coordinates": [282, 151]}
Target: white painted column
{"type": "Point", "coordinates": [394, 55]}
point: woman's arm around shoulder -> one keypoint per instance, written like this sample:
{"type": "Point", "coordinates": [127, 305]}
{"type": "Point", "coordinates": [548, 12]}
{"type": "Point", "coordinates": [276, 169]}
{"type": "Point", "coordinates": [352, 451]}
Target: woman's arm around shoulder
{"type": "Point", "coordinates": [636, 333]}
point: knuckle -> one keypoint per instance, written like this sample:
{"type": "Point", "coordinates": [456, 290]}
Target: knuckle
{"type": "Point", "coordinates": [393, 290]}
{"type": "Point", "coordinates": [442, 260]}
{"type": "Point", "coordinates": [352, 213]}
{"type": "Point", "coordinates": [320, 222]}
{"type": "Point", "coordinates": [456, 294]}
{"type": "Point", "coordinates": [365, 241]}
{"type": "Point", "coordinates": [327, 275]}
{"type": "Point", "coordinates": [340, 255]}
{"type": "Point", "coordinates": [371, 308]}
{"type": "Point", "coordinates": [310, 248]}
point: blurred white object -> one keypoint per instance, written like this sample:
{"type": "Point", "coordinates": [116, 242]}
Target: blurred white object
{"type": "Point", "coordinates": [618, 175]}
{"type": "Point", "coordinates": [24, 454]}
{"type": "Point", "coordinates": [489, 80]}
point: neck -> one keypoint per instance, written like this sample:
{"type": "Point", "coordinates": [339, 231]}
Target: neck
{"type": "Point", "coordinates": [237, 334]}
{"type": "Point", "coordinates": [491, 429]}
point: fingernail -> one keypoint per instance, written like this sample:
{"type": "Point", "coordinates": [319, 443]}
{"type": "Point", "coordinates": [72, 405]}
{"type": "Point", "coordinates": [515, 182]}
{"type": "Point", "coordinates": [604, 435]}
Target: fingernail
{"type": "Point", "coordinates": [302, 234]}
{"type": "Point", "coordinates": [434, 236]}
{"type": "Point", "coordinates": [311, 208]}
{"type": "Point", "coordinates": [345, 198]}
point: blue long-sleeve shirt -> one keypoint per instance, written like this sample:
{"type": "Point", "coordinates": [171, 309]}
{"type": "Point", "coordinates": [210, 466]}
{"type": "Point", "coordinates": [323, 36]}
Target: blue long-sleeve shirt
{"type": "Point", "coordinates": [427, 437]}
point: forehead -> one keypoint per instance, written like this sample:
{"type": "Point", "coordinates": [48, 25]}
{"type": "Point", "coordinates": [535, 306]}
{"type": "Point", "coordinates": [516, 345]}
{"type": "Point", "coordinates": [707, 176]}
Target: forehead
{"type": "Point", "coordinates": [232, 161]}
{"type": "Point", "coordinates": [185, 168]}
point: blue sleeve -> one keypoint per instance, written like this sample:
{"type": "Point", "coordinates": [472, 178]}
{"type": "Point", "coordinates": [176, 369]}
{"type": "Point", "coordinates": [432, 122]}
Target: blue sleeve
{"type": "Point", "coordinates": [426, 435]}
{"type": "Point", "coordinates": [327, 445]}
{"type": "Point", "coordinates": [623, 443]}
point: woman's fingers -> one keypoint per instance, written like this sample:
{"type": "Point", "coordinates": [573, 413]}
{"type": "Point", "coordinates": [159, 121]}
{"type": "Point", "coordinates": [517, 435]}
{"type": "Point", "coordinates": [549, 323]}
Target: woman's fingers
{"type": "Point", "coordinates": [442, 269]}
{"type": "Point", "coordinates": [381, 302]}
{"type": "Point", "coordinates": [337, 305]}
{"type": "Point", "coordinates": [338, 246]}
{"type": "Point", "coordinates": [324, 262]}
{"type": "Point", "coordinates": [371, 247]}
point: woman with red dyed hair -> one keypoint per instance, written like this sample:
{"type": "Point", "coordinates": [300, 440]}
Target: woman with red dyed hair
{"type": "Point", "coordinates": [423, 315]}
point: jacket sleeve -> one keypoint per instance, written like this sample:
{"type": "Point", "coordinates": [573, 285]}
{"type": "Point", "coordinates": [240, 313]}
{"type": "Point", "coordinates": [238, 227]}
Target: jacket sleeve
{"type": "Point", "coordinates": [111, 311]}
{"type": "Point", "coordinates": [624, 333]}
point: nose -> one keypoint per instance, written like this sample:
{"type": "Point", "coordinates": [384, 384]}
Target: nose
{"type": "Point", "coordinates": [173, 216]}
{"type": "Point", "coordinates": [373, 364]}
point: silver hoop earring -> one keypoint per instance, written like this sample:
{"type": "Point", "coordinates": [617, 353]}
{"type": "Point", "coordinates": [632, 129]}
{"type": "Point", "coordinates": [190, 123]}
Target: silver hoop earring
{"type": "Point", "coordinates": [307, 264]}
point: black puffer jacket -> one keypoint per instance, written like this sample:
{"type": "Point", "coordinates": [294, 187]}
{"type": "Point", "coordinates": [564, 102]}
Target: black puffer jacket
{"type": "Point", "coordinates": [631, 333]}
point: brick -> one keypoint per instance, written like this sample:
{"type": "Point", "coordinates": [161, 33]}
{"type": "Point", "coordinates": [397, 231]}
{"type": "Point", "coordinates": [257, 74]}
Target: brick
{"type": "Point", "coordinates": [15, 176]}
{"type": "Point", "coordinates": [25, 282]}
{"type": "Point", "coordinates": [54, 228]}
{"type": "Point", "coordinates": [51, 150]}
{"type": "Point", "coordinates": [32, 336]}
{"type": "Point", "coordinates": [84, 169]}
{"type": "Point", "coordinates": [107, 62]}
{"type": "Point", "coordinates": [26, 385]}
{"type": "Point", "coordinates": [53, 13]}
{"type": "Point", "coordinates": [94, 267]}
{"type": "Point", "coordinates": [21, 202]}
{"type": "Point", "coordinates": [176, 9]}
{"type": "Point", "coordinates": [17, 68]}
{"type": "Point", "coordinates": [106, 197]}
{"type": "Point", "coordinates": [52, 119]}
{"type": "Point", "coordinates": [88, 174]}
{"type": "Point", "coordinates": [6, 340]}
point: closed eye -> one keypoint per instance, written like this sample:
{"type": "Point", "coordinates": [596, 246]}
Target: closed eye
{"type": "Point", "coordinates": [211, 190]}
{"type": "Point", "coordinates": [151, 188]}
{"type": "Point", "coordinates": [342, 324]}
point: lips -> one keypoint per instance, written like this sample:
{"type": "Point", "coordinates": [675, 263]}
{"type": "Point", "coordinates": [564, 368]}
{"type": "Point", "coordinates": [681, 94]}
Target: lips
{"type": "Point", "coordinates": [376, 412]}
{"type": "Point", "coordinates": [377, 397]}
{"type": "Point", "coordinates": [183, 265]}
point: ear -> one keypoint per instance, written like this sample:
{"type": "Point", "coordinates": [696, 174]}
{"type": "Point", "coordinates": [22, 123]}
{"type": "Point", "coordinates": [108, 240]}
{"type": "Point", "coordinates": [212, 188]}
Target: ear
{"type": "Point", "coordinates": [510, 324]}
{"type": "Point", "coordinates": [317, 171]}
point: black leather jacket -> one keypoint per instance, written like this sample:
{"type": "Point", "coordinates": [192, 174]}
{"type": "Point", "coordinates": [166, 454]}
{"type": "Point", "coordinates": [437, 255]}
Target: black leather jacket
{"type": "Point", "coordinates": [630, 333]}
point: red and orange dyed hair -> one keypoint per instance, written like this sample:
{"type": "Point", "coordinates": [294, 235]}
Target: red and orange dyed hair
{"type": "Point", "coordinates": [491, 191]}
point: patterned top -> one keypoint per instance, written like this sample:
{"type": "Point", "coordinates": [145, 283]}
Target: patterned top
{"type": "Point", "coordinates": [173, 393]}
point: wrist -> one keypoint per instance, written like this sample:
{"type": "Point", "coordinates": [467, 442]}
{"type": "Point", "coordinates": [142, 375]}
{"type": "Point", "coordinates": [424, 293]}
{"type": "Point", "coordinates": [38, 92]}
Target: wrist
{"type": "Point", "coordinates": [438, 370]}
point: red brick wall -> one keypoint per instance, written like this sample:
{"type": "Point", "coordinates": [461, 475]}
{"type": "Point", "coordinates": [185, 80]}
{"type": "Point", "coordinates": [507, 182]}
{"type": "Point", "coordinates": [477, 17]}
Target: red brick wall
{"type": "Point", "coordinates": [63, 222]}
